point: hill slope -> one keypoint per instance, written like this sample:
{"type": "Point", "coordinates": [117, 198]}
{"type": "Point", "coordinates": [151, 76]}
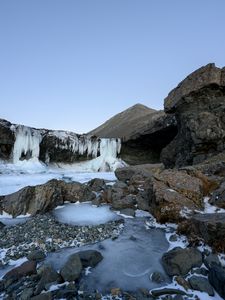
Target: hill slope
{"type": "Point", "coordinates": [127, 123]}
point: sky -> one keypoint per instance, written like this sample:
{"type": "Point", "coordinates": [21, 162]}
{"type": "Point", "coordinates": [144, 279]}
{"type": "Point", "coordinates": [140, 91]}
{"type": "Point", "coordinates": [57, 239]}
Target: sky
{"type": "Point", "coordinates": [73, 64]}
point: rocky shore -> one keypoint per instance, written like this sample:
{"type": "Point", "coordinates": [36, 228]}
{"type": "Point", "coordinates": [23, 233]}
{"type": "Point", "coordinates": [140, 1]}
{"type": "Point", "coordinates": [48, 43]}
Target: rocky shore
{"type": "Point", "coordinates": [182, 187]}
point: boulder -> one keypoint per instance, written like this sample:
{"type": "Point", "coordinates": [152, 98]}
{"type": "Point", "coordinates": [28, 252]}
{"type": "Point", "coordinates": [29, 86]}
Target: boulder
{"type": "Point", "coordinates": [217, 279]}
{"type": "Point", "coordinates": [207, 227]}
{"type": "Point", "coordinates": [90, 258]}
{"type": "Point", "coordinates": [72, 268]}
{"type": "Point", "coordinates": [76, 191]}
{"type": "Point", "coordinates": [180, 261]}
{"type": "Point", "coordinates": [144, 171]}
{"type": "Point", "coordinates": [172, 194]}
{"type": "Point", "coordinates": [97, 184]}
{"type": "Point", "coordinates": [25, 269]}
{"type": "Point", "coordinates": [199, 97]}
{"type": "Point", "coordinates": [45, 197]}
{"type": "Point", "coordinates": [201, 284]}
{"type": "Point", "coordinates": [186, 185]}
{"type": "Point", "coordinates": [121, 202]}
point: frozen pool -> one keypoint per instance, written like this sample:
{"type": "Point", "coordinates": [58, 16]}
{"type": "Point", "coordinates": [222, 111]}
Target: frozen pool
{"type": "Point", "coordinates": [128, 261]}
{"type": "Point", "coordinates": [84, 214]}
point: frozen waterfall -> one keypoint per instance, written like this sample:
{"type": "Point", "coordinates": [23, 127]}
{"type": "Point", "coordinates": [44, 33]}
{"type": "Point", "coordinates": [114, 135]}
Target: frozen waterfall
{"type": "Point", "coordinates": [102, 151]}
{"type": "Point", "coordinates": [27, 144]}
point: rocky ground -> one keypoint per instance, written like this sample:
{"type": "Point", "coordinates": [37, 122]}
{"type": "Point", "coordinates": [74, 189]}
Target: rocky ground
{"type": "Point", "coordinates": [170, 195]}
{"type": "Point", "coordinates": [186, 143]}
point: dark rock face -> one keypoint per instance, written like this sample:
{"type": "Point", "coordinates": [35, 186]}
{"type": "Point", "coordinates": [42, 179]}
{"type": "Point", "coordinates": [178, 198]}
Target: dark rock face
{"type": "Point", "coordinates": [45, 197]}
{"type": "Point", "coordinates": [217, 279]}
{"type": "Point", "coordinates": [7, 139]}
{"type": "Point", "coordinates": [144, 133]}
{"type": "Point", "coordinates": [209, 227]}
{"type": "Point", "coordinates": [180, 261]}
{"type": "Point", "coordinates": [199, 105]}
{"type": "Point", "coordinates": [145, 146]}
{"type": "Point", "coordinates": [56, 149]}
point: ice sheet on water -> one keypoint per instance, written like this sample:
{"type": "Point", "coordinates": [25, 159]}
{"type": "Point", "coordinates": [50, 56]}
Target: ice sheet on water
{"type": "Point", "coordinates": [12, 180]}
{"type": "Point", "coordinates": [127, 261]}
{"type": "Point", "coordinates": [84, 214]}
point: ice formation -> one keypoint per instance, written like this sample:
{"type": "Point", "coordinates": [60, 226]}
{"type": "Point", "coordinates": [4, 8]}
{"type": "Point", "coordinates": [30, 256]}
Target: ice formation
{"type": "Point", "coordinates": [103, 151]}
{"type": "Point", "coordinates": [27, 144]}
{"type": "Point", "coordinates": [77, 144]}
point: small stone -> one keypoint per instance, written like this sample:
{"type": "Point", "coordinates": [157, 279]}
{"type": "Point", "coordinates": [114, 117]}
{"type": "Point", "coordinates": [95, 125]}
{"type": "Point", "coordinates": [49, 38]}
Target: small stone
{"type": "Point", "coordinates": [128, 212]}
{"type": "Point", "coordinates": [181, 281]}
{"type": "Point", "coordinates": [157, 277]}
{"type": "Point", "coordinates": [37, 255]}
{"type": "Point", "coordinates": [26, 294]}
{"type": "Point", "coordinates": [173, 238]}
{"type": "Point", "coordinates": [115, 291]}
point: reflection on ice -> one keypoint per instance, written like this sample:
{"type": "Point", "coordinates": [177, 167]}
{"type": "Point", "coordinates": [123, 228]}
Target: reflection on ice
{"type": "Point", "coordinates": [84, 214]}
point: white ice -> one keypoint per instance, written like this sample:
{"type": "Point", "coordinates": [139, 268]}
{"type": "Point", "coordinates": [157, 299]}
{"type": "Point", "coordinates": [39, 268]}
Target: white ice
{"type": "Point", "coordinates": [27, 140]}
{"type": "Point", "coordinates": [8, 220]}
{"type": "Point", "coordinates": [13, 179]}
{"type": "Point", "coordinates": [84, 214]}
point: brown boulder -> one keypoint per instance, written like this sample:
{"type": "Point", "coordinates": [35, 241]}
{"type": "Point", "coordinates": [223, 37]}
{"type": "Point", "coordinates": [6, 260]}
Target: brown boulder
{"type": "Point", "coordinates": [186, 185]}
{"type": "Point", "coordinates": [207, 227]}
{"type": "Point", "coordinates": [45, 197]}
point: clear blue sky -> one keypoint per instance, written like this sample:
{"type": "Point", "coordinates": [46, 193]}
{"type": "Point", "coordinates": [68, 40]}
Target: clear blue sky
{"type": "Point", "coordinates": [72, 64]}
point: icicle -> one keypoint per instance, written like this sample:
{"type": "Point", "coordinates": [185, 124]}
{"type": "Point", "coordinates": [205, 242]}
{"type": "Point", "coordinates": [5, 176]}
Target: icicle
{"type": "Point", "coordinates": [27, 143]}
